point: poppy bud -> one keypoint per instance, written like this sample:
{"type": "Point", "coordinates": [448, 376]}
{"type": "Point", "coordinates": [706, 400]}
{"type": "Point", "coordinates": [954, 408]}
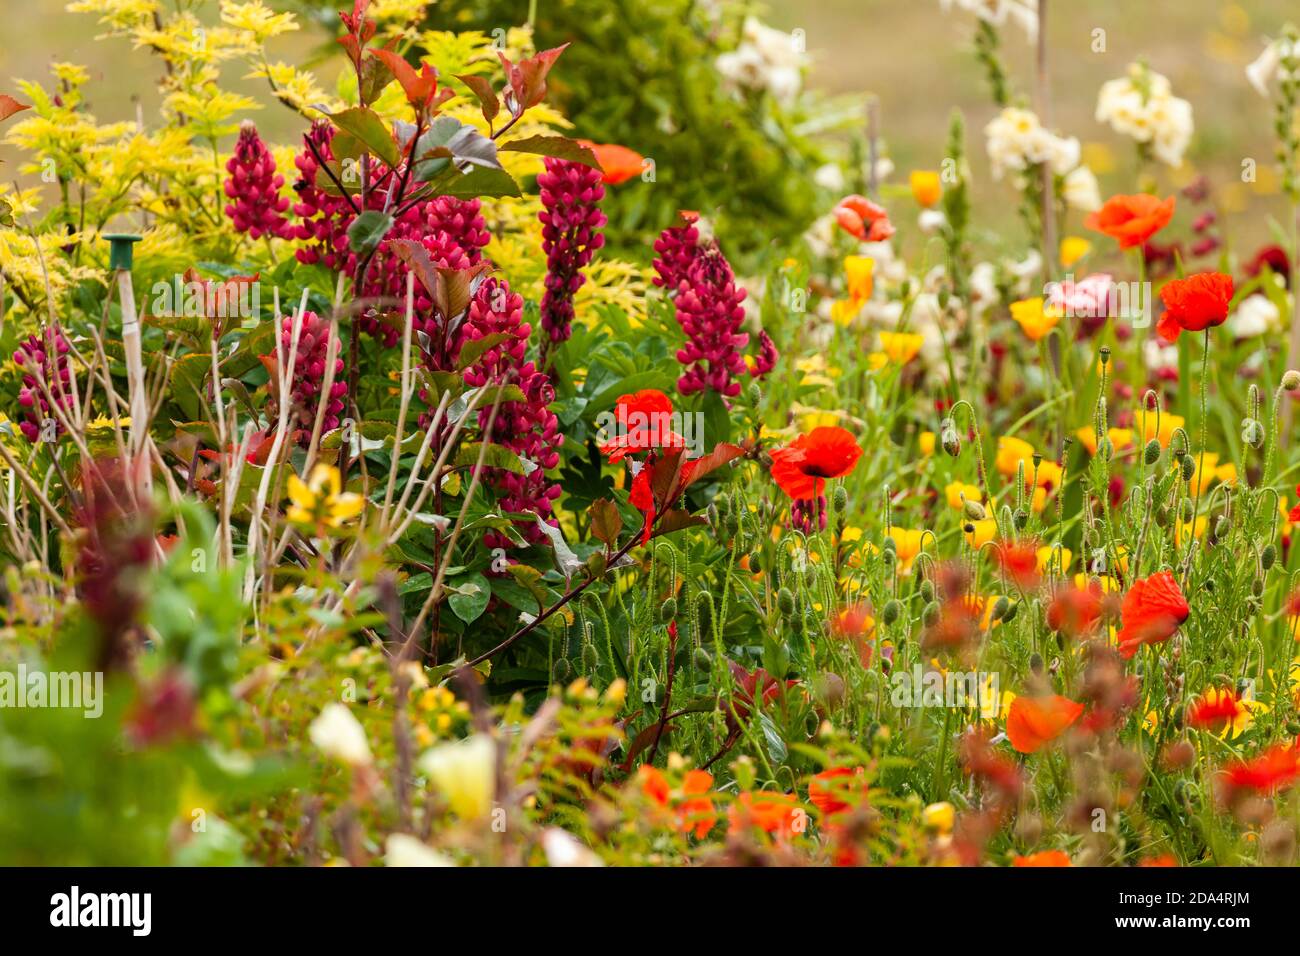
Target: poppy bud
{"type": "Point", "coordinates": [701, 657]}
{"type": "Point", "coordinates": [927, 590]}
{"type": "Point", "coordinates": [1267, 556]}
{"type": "Point", "coordinates": [1000, 608]}
{"type": "Point", "coordinates": [1162, 517]}
{"type": "Point", "coordinates": [1105, 449]}
{"type": "Point", "coordinates": [974, 510]}
{"type": "Point", "coordinates": [1188, 466]}
{"type": "Point", "coordinates": [889, 545]}
{"type": "Point", "coordinates": [888, 557]}
{"type": "Point", "coordinates": [948, 437]}
{"type": "Point", "coordinates": [891, 612]}
{"type": "Point", "coordinates": [840, 498]}
{"type": "Point", "coordinates": [1152, 452]}
{"type": "Point", "coordinates": [1290, 380]}
{"type": "Point", "coordinates": [1104, 354]}
{"type": "Point", "coordinates": [1222, 527]}
{"type": "Point", "coordinates": [785, 601]}
{"type": "Point", "coordinates": [1185, 509]}
{"type": "Point", "coordinates": [1257, 587]}
{"type": "Point", "coordinates": [930, 616]}
{"type": "Point", "coordinates": [754, 394]}
{"type": "Point", "coordinates": [590, 658]}
{"type": "Point", "coordinates": [1293, 728]}
{"type": "Point", "coordinates": [1022, 518]}
{"type": "Point", "coordinates": [712, 514]}
{"type": "Point", "coordinates": [561, 671]}
{"type": "Point", "coordinates": [1036, 663]}
{"type": "Point", "coordinates": [668, 610]}
{"type": "Point", "coordinates": [755, 561]}
{"type": "Point", "coordinates": [1010, 613]}
{"type": "Point", "coordinates": [1252, 432]}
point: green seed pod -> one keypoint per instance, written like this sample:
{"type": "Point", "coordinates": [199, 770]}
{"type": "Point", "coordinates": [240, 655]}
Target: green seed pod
{"type": "Point", "coordinates": [1104, 354]}
{"type": "Point", "coordinates": [1267, 556]}
{"type": "Point", "coordinates": [1151, 454]}
{"type": "Point", "coordinates": [561, 671]}
{"type": "Point", "coordinates": [785, 601]}
{"type": "Point", "coordinates": [1188, 466]}
{"type": "Point", "coordinates": [668, 610]}
{"type": "Point", "coordinates": [840, 498]}
{"type": "Point", "coordinates": [892, 611]}
{"type": "Point", "coordinates": [930, 616]}
{"type": "Point", "coordinates": [702, 659]}
{"type": "Point", "coordinates": [1290, 380]}
{"type": "Point", "coordinates": [927, 590]}
{"type": "Point", "coordinates": [590, 658]}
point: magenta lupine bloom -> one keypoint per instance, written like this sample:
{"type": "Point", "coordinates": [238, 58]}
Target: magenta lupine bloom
{"type": "Point", "coordinates": [710, 312]}
{"type": "Point", "coordinates": [254, 186]}
{"type": "Point", "coordinates": [677, 248]}
{"type": "Point", "coordinates": [43, 358]}
{"type": "Point", "coordinates": [453, 230]}
{"type": "Point", "coordinates": [767, 355]}
{"type": "Point", "coordinates": [529, 428]}
{"type": "Point", "coordinates": [571, 222]}
{"type": "Point", "coordinates": [309, 376]}
{"type": "Point", "coordinates": [802, 514]}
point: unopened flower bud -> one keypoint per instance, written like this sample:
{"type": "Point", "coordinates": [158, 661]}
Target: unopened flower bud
{"type": "Point", "coordinates": [840, 498]}
{"type": "Point", "coordinates": [891, 611]}
{"type": "Point", "coordinates": [1290, 380]}
{"type": "Point", "coordinates": [1151, 454]}
{"type": "Point", "coordinates": [974, 510]}
{"type": "Point", "coordinates": [930, 616]}
{"type": "Point", "coordinates": [785, 601]}
{"type": "Point", "coordinates": [668, 610]}
{"type": "Point", "coordinates": [1267, 556]}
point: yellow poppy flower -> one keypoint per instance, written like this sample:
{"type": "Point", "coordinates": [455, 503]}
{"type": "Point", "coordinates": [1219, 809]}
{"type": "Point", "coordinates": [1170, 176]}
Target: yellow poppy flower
{"type": "Point", "coordinates": [1073, 248]}
{"type": "Point", "coordinates": [321, 502]}
{"type": "Point", "coordinates": [1034, 318]}
{"type": "Point", "coordinates": [926, 187]}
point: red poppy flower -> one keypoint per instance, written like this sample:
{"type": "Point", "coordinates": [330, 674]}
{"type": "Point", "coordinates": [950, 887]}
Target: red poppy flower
{"type": "Point", "coordinates": [988, 766]}
{"type": "Point", "coordinates": [1164, 859]}
{"type": "Point", "coordinates": [694, 812]}
{"type": "Point", "coordinates": [1043, 858]}
{"type": "Point", "coordinates": [1075, 611]}
{"type": "Point", "coordinates": [802, 467]}
{"type": "Point", "coordinates": [1266, 774]}
{"type": "Point", "coordinates": [863, 219]}
{"type": "Point", "coordinates": [1153, 609]}
{"type": "Point", "coordinates": [754, 685]}
{"type": "Point", "coordinates": [1194, 304]}
{"type": "Point", "coordinates": [1019, 560]}
{"type": "Point", "coordinates": [618, 163]}
{"type": "Point", "coordinates": [1131, 220]}
{"type": "Point", "coordinates": [644, 422]}
{"type": "Point", "coordinates": [1035, 721]}
{"type": "Point", "coordinates": [1215, 710]}
{"type": "Point", "coordinates": [828, 790]}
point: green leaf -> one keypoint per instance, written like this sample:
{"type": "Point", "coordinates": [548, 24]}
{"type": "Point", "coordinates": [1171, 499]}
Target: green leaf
{"type": "Point", "coordinates": [479, 181]}
{"type": "Point", "coordinates": [367, 128]}
{"type": "Point", "coordinates": [495, 456]}
{"type": "Point", "coordinates": [469, 598]}
{"type": "Point", "coordinates": [473, 350]}
{"type": "Point", "coordinates": [368, 230]}
{"type": "Point", "coordinates": [557, 147]}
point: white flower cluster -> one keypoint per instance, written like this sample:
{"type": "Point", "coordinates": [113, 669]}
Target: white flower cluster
{"type": "Point", "coordinates": [1016, 141]}
{"type": "Point", "coordinates": [766, 59]}
{"type": "Point", "coordinates": [1141, 105]}
{"type": "Point", "coordinates": [1023, 13]}
{"type": "Point", "coordinates": [1279, 61]}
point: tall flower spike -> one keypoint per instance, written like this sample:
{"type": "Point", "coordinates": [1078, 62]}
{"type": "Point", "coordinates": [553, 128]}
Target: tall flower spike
{"type": "Point", "coordinates": [308, 377]}
{"type": "Point", "coordinates": [677, 247]}
{"type": "Point", "coordinates": [571, 222]}
{"type": "Point", "coordinates": [43, 358]}
{"type": "Point", "coordinates": [710, 312]}
{"type": "Point", "coordinates": [257, 208]}
{"type": "Point", "coordinates": [528, 428]}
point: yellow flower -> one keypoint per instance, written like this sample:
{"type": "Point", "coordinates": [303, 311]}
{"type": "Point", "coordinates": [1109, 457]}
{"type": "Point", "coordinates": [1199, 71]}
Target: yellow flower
{"type": "Point", "coordinates": [926, 187]}
{"type": "Point", "coordinates": [321, 502]}
{"type": "Point", "coordinates": [1196, 529]}
{"type": "Point", "coordinates": [1208, 470]}
{"type": "Point", "coordinates": [1120, 438]}
{"type": "Point", "coordinates": [844, 311]}
{"type": "Point", "coordinates": [1034, 319]}
{"type": "Point", "coordinates": [901, 347]}
{"type": "Point", "coordinates": [907, 545]}
{"type": "Point", "coordinates": [859, 271]}
{"type": "Point", "coordinates": [981, 532]}
{"type": "Point", "coordinates": [955, 491]}
{"type": "Point", "coordinates": [1013, 451]}
{"type": "Point", "coordinates": [1048, 556]}
{"type": "Point", "coordinates": [1168, 423]}
{"type": "Point", "coordinates": [939, 816]}
{"type": "Point", "coordinates": [464, 773]}
{"type": "Point", "coordinates": [926, 443]}
{"type": "Point", "coordinates": [1074, 248]}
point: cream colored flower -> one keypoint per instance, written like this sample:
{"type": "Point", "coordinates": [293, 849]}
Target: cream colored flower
{"type": "Point", "coordinates": [338, 734]}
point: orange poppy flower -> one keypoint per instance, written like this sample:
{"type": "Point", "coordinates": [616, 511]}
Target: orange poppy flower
{"type": "Point", "coordinates": [1075, 610]}
{"type": "Point", "coordinates": [1044, 858]}
{"type": "Point", "coordinates": [1215, 709]}
{"type": "Point", "coordinates": [1153, 609]}
{"type": "Point", "coordinates": [1164, 859]}
{"type": "Point", "coordinates": [863, 219]}
{"type": "Point", "coordinates": [1271, 771]}
{"type": "Point", "coordinates": [802, 467]}
{"type": "Point", "coordinates": [1194, 304]}
{"type": "Point", "coordinates": [827, 790]}
{"type": "Point", "coordinates": [771, 812]}
{"type": "Point", "coordinates": [1019, 560]}
{"type": "Point", "coordinates": [694, 812]}
{"type": "Point", "coordinates": [618, 164]}
{"type": "Point", "coordinates": [1131, 220]}
{"type": "Point", "coordinates": [1035, 721]}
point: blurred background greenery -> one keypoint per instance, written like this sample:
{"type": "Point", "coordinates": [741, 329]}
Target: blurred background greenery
{"type": "Point", "coordinates": [916, 59]}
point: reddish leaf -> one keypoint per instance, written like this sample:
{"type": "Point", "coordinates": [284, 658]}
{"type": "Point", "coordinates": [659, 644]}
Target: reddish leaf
{"type": "Point", "coordinates": [417, 259]}
{"type": "Point", "coordinates": [9, 106]}
{"type": "Point", "coordinates": [675, 519]}
{"type": "Point", "coordinates": [421, 87]}
{"type": "Point", "coordinates": [527, 78]}
{"type": "Point", "coordinates": [606, 522]}
{"type": "Point", "coordinates": [482, 88]}
{"type": "Point", "coordinates": [722, 453]}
